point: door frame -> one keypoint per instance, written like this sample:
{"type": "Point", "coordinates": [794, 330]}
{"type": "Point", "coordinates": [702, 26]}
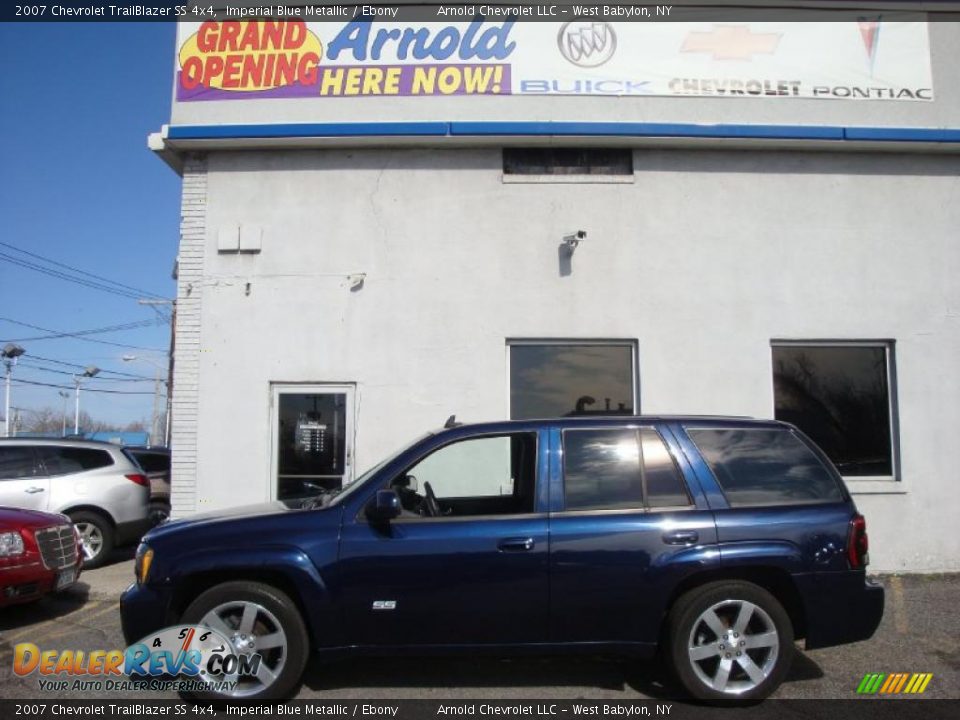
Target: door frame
{"type": "Point", "coordinates": [315, 388]}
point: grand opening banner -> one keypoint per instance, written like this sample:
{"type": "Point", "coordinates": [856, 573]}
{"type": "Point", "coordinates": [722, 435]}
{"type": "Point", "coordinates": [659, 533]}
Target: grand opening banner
{"type": "Point", "coordinates": [867, 59]}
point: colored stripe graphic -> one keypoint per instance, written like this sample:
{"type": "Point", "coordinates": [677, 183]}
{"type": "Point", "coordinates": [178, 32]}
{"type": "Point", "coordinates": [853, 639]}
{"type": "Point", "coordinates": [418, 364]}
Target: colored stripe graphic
{"type": "Point", "coordinates": [894, 683]}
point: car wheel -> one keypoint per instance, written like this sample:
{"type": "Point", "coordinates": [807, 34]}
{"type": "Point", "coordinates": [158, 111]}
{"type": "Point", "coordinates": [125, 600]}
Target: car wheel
{"type": "Point", "coordinates": [159, 512]}
{"type": "Point", "coordinates": [261, 620]}
{"type": "Point", "coordinates": [729, 641]}
{"type": "Point", "coordinates": [96, 537]}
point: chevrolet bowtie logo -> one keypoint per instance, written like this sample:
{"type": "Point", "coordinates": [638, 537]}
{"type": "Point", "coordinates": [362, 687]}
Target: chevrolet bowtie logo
{"type": "Point", "coordinates": [731, 42]}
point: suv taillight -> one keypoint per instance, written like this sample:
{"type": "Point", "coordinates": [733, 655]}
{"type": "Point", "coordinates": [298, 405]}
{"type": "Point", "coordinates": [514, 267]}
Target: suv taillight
{"type": "Point", "coordinates": [857, 543]}
{"type": "Point", "coordinates": [138, 478]}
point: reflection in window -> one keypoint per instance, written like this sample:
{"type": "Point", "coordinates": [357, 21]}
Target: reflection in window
{"type": "Point", "coordinates": [764, 467]}
{"type": "Point", "coordinates": [558, 380]}
{"type": "Point", "coordinates": [602, 470]}
{"type": "Point", "coordinates": [665, 487]}
{"type": "Point", "coordinates": [840, 396]}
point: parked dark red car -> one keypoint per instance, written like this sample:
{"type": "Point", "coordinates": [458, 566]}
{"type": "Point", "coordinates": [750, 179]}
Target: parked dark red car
{"type": "Point", "coordinates": [40, 553]}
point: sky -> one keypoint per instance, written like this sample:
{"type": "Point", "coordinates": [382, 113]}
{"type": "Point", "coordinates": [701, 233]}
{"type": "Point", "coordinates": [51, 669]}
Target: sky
{"type": "Point", "coordinates": [78, 186]}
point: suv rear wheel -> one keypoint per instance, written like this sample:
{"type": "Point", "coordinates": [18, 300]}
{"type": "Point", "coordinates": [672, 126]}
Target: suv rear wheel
{"type": "Point", "coordinates": [96, 537]}
{"type": "Point", "coordinates": [257, 619]}
{"type": "Point", "coordinates": [729, 640]}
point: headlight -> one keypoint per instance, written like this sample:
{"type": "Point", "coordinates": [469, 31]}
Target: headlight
{"type": "Point", "coordinates": [144, 560]}
{"type": "Point", "coordinates": [11, 543]}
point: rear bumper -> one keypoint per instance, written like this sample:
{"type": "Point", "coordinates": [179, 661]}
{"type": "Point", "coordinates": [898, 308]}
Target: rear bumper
{"type": "Point", "coordinates": [843, 607]}
{"type": "Point", "coordinates": [129, 533]}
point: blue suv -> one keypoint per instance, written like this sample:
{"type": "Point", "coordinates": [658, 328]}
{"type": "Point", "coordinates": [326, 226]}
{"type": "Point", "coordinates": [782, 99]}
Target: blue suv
{"type": "Point", "coordinates": [716, 542]}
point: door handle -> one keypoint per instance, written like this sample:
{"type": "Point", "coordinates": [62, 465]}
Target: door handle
{"type": "Point", "coordinates": [33, 490]}
{"type": "Point", "coordinates": [681, 537]}
{"type": "Point", "coordinates": [516, 545]}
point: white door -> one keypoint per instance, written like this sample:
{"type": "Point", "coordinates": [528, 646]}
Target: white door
{"type": "Point", "coordinates": [313, 433]}
{"type": "Point", "coordinates": [22, 481]}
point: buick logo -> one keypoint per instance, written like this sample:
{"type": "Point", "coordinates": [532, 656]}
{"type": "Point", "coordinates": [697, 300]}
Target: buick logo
{"type": "Point", "coordinates": [587, 44]}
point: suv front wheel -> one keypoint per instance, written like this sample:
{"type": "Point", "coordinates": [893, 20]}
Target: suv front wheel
{"type": "Point", "coordinates": [258, 620]}
{"type": "Point", "coordinates": [729, 640]}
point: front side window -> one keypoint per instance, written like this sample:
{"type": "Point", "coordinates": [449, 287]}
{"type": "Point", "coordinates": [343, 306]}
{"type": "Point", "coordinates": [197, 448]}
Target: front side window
{"type": "Point", "coordinates": [840, 396]}
{"type": "Point", "coordinates": [490, 475]}
{"type": "Point", "coordinates": [765, 466]}
{"type": "Point", "coordinates": [16, 463]}
{"type": "Point", "coordinates": [618, 468]}
{"type": "Point", "coordinates": [565, 379]}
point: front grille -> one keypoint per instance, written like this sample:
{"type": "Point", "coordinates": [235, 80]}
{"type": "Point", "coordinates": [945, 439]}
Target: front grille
{"type": "Point", "coordinates": [58, 547]}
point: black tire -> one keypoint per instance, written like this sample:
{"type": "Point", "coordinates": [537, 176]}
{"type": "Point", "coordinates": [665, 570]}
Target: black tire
{"type": "Point", "coordinates": [284, 612]}
{"type": "Point", "coordinates": [735, 671]}
{"type": "Point", "coordinates": [159, 512]}
{"type": "Point", "coordinates": [96, 532]}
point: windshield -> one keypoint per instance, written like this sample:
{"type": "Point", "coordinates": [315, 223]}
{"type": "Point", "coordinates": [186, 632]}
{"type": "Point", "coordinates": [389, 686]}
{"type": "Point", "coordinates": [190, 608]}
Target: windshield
{"type": "Point", "coordinates": [338, 496]}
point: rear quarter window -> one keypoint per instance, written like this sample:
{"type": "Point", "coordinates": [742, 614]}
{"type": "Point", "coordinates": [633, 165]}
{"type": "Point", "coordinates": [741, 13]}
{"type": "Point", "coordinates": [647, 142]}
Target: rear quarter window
{"type": "Point", "coordinates": [66, 460]}
{"type": "Point", "coordinates": [760, 466]}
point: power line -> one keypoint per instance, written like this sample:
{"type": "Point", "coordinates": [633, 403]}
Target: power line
{"type": "Point", "coordinates": [85, 389]}
{"type": "Point", "coordinates": [73, 374]}
{"type": "Point", "coordinates": [95, 331]}
{"type": "Point", "coordinates": [49, 261]}
{"type": "Point", "coordinates": [83, 367]}
{"type": "Point", "coordinates": [85, 339]}
{"type": "Point", "coordinates": [63, 276]}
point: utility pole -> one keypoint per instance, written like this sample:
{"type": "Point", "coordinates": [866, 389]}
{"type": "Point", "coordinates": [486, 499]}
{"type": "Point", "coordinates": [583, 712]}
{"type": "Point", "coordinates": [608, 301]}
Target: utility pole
{"type": "Point", "coordinates": [88, 373]}
{"type": "Point", "coordinates": [10, 353]}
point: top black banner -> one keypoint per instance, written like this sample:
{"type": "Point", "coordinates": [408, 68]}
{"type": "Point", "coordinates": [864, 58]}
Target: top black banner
{"type": "Point", "coordinates": [501, 11]}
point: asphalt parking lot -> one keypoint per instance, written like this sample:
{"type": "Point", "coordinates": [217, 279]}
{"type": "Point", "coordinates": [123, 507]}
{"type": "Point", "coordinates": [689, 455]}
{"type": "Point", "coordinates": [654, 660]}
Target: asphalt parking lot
{"type": "Point", "coordinates": [920, 633]}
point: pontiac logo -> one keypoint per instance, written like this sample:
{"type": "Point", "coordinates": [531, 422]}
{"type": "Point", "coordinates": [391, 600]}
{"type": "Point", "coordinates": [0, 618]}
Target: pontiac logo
{"type": "Point", "coordinates": [587, 44]}
{"type": "Point", "coordinates": [731, 42]}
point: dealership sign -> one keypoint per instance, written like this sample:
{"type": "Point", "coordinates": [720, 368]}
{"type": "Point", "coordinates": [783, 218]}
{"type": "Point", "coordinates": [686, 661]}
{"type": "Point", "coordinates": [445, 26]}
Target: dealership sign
{"type": "Point", "coordinates": [870, 59]}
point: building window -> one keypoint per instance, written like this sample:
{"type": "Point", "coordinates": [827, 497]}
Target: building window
{"type": "Point", "coordinates": [563, 379]}
{"type": "Point", "coordinates": [840, 394]}
{"type": "Point", "coordinates": [570, 163]}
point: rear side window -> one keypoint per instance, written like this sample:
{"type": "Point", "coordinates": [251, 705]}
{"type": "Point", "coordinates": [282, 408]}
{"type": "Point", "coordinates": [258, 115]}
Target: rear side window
{"type": "Point", "coordinates": [66, 460]}
{"type": "Point", "coordinates": [618, 468]}
{"type": "Point", "coordinates": [765, 467]}
{"type": "Point", "coordinates": [152, 462]}
{"type": "Point", "coordinates": [16, 462]}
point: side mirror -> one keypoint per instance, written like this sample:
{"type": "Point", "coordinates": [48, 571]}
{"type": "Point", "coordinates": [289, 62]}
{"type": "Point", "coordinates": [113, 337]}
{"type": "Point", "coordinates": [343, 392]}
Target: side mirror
{"type": "Point", "coordinates": [384, 506]}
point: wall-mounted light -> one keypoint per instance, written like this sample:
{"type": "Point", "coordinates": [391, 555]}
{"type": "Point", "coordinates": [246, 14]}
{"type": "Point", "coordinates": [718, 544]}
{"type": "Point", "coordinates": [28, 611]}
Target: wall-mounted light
{"type": "Point", "coordinates": [356, 280]}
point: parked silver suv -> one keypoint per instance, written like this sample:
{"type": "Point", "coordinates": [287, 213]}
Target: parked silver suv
{"type": "Point", "coordinates": [97, 484]}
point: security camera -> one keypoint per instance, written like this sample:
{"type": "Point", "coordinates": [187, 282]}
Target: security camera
{"type": "Point", "coordinates": [573, 239]}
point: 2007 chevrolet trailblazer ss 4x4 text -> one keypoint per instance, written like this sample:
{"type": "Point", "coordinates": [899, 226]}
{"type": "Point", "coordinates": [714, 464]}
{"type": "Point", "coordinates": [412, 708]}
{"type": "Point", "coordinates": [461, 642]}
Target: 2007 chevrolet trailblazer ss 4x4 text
{"type": "Point", "coordinates": [716, 541]}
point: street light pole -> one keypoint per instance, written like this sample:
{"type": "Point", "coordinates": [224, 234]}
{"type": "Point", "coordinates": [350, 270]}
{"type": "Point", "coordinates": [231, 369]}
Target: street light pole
{"type": "Point", "coordinates": [10, 354]}
{"type": "Point", "coordinates": [88, 373]}
{"type": "Point", "coordinates": [63, 411]}
{"type": "Point", "coordinates": [155, 416]}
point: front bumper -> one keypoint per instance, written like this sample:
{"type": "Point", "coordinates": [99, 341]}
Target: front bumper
{"type": "Point", "coordinates": [841, 608]}
{"type": "Point", "coordinates": [144, 610]}
{"type": "Point", "coordinates": [29, 580]}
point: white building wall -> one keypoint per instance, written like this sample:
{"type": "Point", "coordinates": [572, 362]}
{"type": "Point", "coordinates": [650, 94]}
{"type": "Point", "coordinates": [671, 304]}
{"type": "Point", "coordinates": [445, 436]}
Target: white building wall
{"type": "Point", "coordinates": [703, 260]}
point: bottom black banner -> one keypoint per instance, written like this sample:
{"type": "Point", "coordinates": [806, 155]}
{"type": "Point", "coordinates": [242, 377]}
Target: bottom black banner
{"type": "Point", "coordinates": [861, 709]}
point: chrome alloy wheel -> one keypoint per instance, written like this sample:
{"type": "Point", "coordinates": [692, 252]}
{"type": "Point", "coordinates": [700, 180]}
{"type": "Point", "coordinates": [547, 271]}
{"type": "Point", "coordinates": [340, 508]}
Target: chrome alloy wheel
{"type": "Point", "coordinates": [251, 630]}
{"type": "Point", "coordinates": [91, 539]}
{"type": "Point", "coordinates": [733, 646]}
